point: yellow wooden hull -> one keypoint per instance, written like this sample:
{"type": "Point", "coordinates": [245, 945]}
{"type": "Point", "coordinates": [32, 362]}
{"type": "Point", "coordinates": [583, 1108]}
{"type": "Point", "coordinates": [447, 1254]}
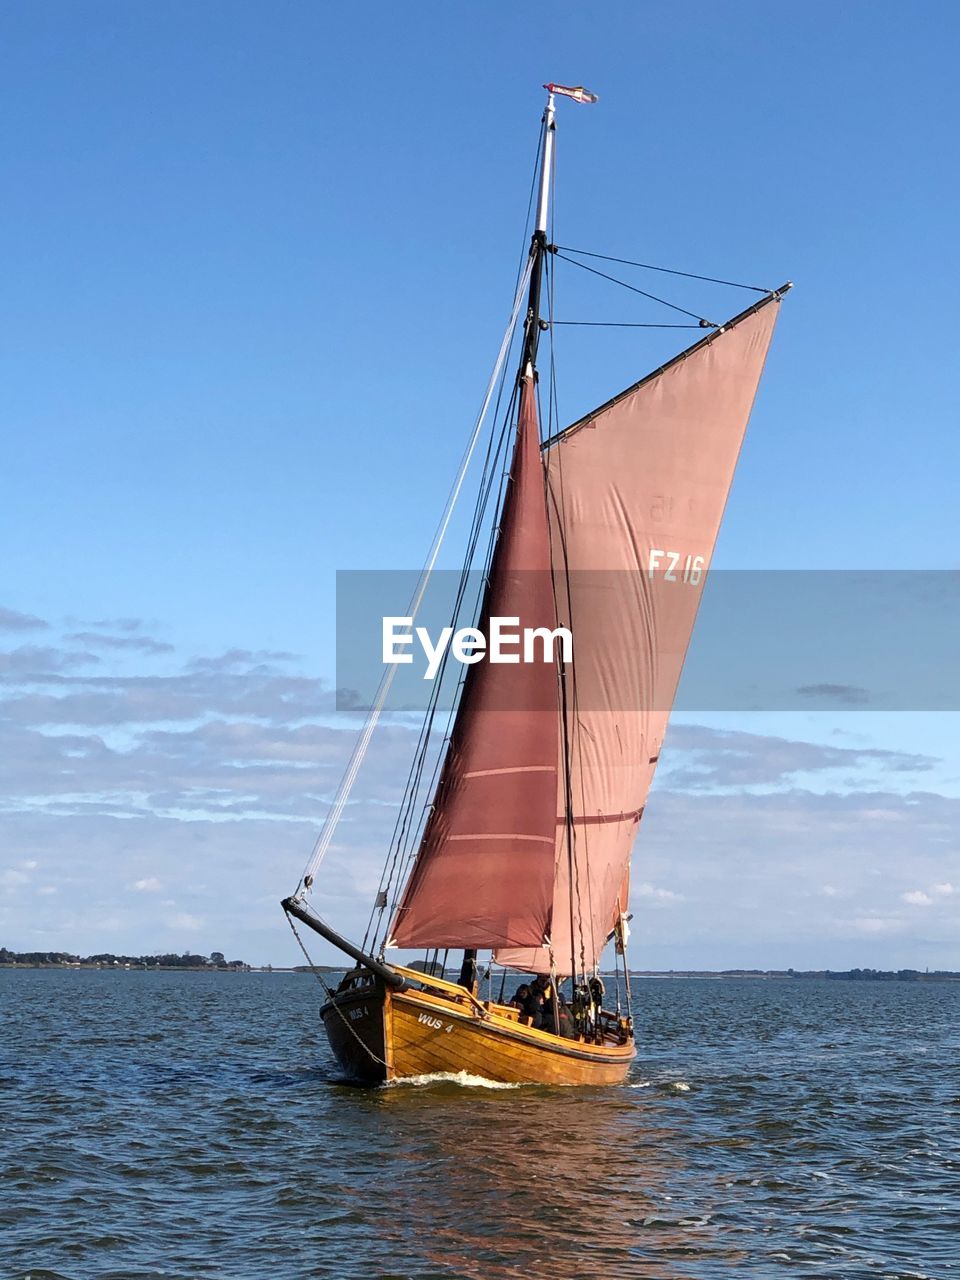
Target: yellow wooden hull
{"type": "Point", "coordinates": [378, 1035]}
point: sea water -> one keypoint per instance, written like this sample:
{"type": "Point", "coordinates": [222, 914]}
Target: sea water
{"type": "Point", "coordinates": [194, 1126]}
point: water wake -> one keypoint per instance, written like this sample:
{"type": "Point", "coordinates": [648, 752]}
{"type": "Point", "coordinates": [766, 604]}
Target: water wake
{"type": "Point", "coordinates": [462, 1078]}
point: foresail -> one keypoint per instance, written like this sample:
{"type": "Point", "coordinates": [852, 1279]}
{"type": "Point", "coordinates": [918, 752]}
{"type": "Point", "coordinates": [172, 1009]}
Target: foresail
{"type": "Point", "coordinates": [636, 493]}
{"type": "Point", "coordinates": [484, 873]}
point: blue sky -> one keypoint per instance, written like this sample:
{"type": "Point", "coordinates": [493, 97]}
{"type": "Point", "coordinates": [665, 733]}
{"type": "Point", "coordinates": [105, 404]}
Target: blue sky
{"type": "Point", "coordinates": [258, 259]}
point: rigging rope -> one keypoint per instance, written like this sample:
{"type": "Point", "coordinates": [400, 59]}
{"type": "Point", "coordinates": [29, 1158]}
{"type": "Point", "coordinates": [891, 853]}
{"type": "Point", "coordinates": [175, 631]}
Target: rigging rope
{"type": "Point", "coordinates": [633, 289]}
{"type": "Point", "coordinates": [410, 833]}
{"type": "Point", "coordinates": [670, 271]}
{"type": "Point", "coordinates": [576, 916]}
{"type": "Point", "coordinates": [406, 832]}
{"type": "Point", "coordinates": [409, 823]}
{"type": "Point", "coordinates": [570, 715]}
{"type": "Point", "coordinates": [625, 324]}
{"type": "Point", "coordinates": [373, 716]}
{"type": "Point", "coordinates": [331, 995]}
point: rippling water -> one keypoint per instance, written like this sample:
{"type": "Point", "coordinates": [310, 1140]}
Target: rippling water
{"type": "Point", "coordinates": [192, 1126]}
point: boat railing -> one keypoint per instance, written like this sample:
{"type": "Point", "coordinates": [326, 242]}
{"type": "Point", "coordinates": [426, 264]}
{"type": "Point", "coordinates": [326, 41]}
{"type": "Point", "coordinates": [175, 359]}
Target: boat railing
{"type": "Point", "coordinates": [428, 982]}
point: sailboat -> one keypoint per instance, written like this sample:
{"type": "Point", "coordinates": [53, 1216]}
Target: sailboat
{"type": "Point", "coordinates": [519, 857]}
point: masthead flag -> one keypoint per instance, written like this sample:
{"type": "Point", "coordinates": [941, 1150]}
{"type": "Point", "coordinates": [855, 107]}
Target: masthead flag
{"type": "Point", "coordinates": [578, 93]}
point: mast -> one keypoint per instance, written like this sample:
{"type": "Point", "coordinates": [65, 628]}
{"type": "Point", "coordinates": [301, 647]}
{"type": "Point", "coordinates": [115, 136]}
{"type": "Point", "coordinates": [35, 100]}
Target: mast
{"type": "Point", "coordinates": [531, 340]}
{"type": "Point", "coordinates": [499, 779]}
{"type": "Point", "coordinates": [533, 327]}
{"type": "Point", "coordinates": [538, 242]}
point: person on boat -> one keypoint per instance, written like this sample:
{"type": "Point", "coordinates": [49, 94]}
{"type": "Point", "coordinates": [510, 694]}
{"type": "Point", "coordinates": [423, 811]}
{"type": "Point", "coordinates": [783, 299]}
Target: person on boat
{"type": "Point", "coordinates": [529, 1002]}
{"type": "Point", "coordinates": [551, 1011]}
{"type": "Point", "coordinates": [522, 1002]}
{"type": "Point", "coordinates": [568, 1027]}
{"type": "Point", "coordinates": [521, 998]}
{"type": "Point", "coordinates": [543, 987]}
{"type": "Point", "coordinates": [542, 1000]}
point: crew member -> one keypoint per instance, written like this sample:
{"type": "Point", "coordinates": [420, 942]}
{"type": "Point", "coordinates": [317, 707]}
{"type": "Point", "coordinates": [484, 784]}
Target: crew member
{"type": "Point", "coordinates": [543, 997]}
{"type": "Point", "coordinates": [521, 998]}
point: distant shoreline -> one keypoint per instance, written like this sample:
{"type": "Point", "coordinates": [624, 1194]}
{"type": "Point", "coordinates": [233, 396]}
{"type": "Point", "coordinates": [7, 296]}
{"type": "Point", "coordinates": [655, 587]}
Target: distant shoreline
{"type": "Point", "coordinates": [833, 975]}
{"type": "Point", "coordinates": [143, 968]}
{"type": "Point", "coordinates": [716, 975]}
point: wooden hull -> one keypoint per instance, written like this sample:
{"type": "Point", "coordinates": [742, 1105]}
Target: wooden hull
{"type": "Point", "coordinates": [380, 1035]}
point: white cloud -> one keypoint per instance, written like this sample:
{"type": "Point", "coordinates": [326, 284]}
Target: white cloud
{"type": "Point", "coordinates": [148, 885]}
{"type": "Point", "coordinates": [184, 920]}
{"type": "Point", "coordinates": [828, 891]}
{"type": "Point", "coordinates": [648, 890]}
{"type": "Point", "coordinates": [917, 898]}
{"type": "Point", "coordinates": [877, 924]}
{"type": "Point", "coordinates": [12, 878]}
{"type": "Point", "coordinates": [943, 890]}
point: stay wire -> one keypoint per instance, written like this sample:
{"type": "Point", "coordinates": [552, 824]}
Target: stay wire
{"type": "Point", "coordinates": [495, 473]}
{"type": "Point", "coordinates": [567, 685]}
{"type": "Point", "coordinates": [524, 252]}
{"type": "Point", "coordinates": [398, 846]}
{"type": "Point", "coordinates": [358, 754]}
{"type": "Point", "coordinates": [491, 469]}
{"type": "Point", "coordinates": [412, 830]}
{"type": "Point", "coordinates": [573, 739]}
{"type": "Point", "coordinates": [704, 322]}
{"type": "Point", "coordinates": [670, 271]}
{"type": "Point", "coordinates": [622, 324]}
{"type": "Point", "coordinates": [404, 840]}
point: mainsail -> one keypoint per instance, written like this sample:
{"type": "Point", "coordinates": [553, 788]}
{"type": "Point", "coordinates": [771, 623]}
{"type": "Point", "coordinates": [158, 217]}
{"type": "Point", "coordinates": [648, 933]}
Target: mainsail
{"type": "Point", "coordinates": [636, 492]}
{"type": "Point", "coordinates": [484, 873]}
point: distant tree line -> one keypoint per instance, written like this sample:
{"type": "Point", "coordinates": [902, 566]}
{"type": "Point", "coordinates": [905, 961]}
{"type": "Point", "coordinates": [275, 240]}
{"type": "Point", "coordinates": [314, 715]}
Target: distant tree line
{"type": "Point", "coordinates": [881, 975]}
{"type": "Point", "coordinates": [844, 975]}
{"type": "Point", "coordinates": [186, 960]}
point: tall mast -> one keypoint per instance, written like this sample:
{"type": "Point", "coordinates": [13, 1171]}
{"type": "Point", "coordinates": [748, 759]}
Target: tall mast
{"type": "Point", "coordinates": [538, 243]}
{"type": "Point", "coordinates": [532, 328]}
{"type": "Point", "coordinates": [528, 357]}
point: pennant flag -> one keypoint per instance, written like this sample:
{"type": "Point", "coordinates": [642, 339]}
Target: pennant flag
{"type": "Point", "coordinates": [578, 93]}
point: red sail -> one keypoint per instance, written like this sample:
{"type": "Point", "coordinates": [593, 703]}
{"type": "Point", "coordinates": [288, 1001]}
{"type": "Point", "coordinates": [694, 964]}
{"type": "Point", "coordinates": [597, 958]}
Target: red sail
{"type": "Point", "coordinates": [484, 874]}
{"type": "Point", "coordinates": [636, 491]}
